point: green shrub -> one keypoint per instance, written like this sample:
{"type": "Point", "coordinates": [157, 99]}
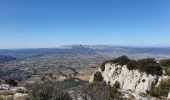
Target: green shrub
{"type": "Point", "coordinates": [123, 60]}
{"type": "Point", "coordinates": [148, 65]}
{"type": "Point", "coordinates": [165, 62]}
{"type": "Point", "coordinates": [162, 90]}
{"type": "Point", "coordinates": [11, 82]}
{"type": "Point", "coordinates": [153, 92]}
{"type": "Point", "coordinates": [112, 90]}
{"type": "Point", "coordinates": [167, 71]}
{"type": "Point", "coordinates": [116, 85]}
{"type": "Point", "coordinates": [98, 77]}
{"type": "Point", "coordinates": [103, 91]}
{"type": "Point", "coordinates": [47, 91]}
{"type": "Point", "coordinates": [132, 64]}
{"type": "Point", "coordinates": [164, 87]}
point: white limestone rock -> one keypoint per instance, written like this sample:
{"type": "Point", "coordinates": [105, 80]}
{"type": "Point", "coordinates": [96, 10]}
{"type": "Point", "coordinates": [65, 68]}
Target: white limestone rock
{"type": "Point", "coordinates": [20, 96]}
{"type": "Point", "coordinates": [5, 86]}
{"type": "Point", "coordinates": [130, 80]}
{"type": "Point", "coordinates": [168, 96]}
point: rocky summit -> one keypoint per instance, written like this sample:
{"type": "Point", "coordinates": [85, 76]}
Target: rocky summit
{"type": "Point", "coordinates": [133, 83]}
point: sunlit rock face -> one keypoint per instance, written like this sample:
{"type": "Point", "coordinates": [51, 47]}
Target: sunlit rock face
{"type": "Point", "coordinates": [20, 96]}
{"type": "Point", "coordinates": [130, 80]}
{"type": "Point", "coordinates": [169, 96]}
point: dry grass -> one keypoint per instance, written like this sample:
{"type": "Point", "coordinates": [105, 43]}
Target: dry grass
{"type": "Point", "coordinates": [5, 93]}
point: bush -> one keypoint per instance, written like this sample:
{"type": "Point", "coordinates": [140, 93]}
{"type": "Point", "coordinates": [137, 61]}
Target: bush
{"type": "Point", "coordinates": [116, 85]}
{"type": "Point", "coordinates": [123, 60]}
{"type": "Point", "coordinates": [162, 90]}
{"type": "Point", "coordinates": [148, 65]}
{"type": "Point", "coordinates": [98, 77]}
{"type": "Point", "coordinates": [165, 62]}
{"type": "Point", "coordinates": [112, 90]}
{"type": "Point", "coordinates": [132, 64]}
{"type": "Point", "coordinates": [164, 87]}
{"type": "Point", "coordinates": [47, 91]}
{"type": "Point", "coordinates": [153, 92]}
{"type": "Point", "coordinates": [167, 71]}
{"type": "Point", "coordinates": [103, 91]}
{"type": "Point", "coordinates": [11, 82]}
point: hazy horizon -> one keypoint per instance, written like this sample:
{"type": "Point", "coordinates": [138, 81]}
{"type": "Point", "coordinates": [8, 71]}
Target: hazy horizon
{"type": "Point", "coordinates": [51, 23]}
{"type": "Point", "coordinates": [60, 46]}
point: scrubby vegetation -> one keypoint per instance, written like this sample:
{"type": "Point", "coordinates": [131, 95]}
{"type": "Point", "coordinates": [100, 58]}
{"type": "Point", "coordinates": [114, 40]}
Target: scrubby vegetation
{"type": "Point", "coordinates": [162, 90]}
{"type": "Point", "coordinates": [99, 90]}
{"type": "Point", "coordinates": [165, 64]}
{"type": "Point", "coordinates": [116, 85]}
{"type": "Point", "coordinates": [53, 90]}
{"type": "Point", "coordinates": [47, 91]}
{"type": "Point", "coordinates": [103, 91]}
{"type": "Point", "coordinates": [123, 60]}
{"type": "Point", "coordinates": [167, 71]}
{"type": "Point", "coordinates": [63, 91]}
{"type": "Point", "coordinates": [98, 77]}
{"type": "Point", "coordinates": [132, 64]}
{"type": "Point", "coordinates": [11, 82]}
{"type": "Point", "coordinates": [148, 65]}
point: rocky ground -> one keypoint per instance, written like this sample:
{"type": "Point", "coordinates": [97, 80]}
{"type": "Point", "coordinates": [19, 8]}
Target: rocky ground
{"type": "Point", "coordinates": [8, 92]}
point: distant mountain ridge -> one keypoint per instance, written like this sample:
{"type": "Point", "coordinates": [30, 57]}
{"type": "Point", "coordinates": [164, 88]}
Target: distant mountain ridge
{"type": "Point", "coordinates": [111, 47]}
{"type": "Point", "coordinates": [99, 50]}
{"type": "Point", "coordinates": [86, 46]}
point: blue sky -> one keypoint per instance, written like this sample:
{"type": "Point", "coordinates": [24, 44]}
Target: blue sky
{"type": "Point", "coordinates": [50, 23]}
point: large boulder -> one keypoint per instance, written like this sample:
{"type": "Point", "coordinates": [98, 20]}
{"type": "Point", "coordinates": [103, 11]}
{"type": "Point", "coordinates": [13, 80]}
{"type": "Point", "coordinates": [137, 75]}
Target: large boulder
{"type": "Point", "coordinates": [19, 89]}
{"type": "Point", "coordinates": [20, 96]}
{"type": "Point", "coordinates": [5, 87]}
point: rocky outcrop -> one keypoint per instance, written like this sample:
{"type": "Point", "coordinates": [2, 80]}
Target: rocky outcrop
{"type": "Point", "coordinates": [20, 96]}
{"type": "Point", "coordinates": [132, 81]}
{"type": "Point", "coordinates": [8, 92]}
{"type": "Point", "coordinates": [169, 96]}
